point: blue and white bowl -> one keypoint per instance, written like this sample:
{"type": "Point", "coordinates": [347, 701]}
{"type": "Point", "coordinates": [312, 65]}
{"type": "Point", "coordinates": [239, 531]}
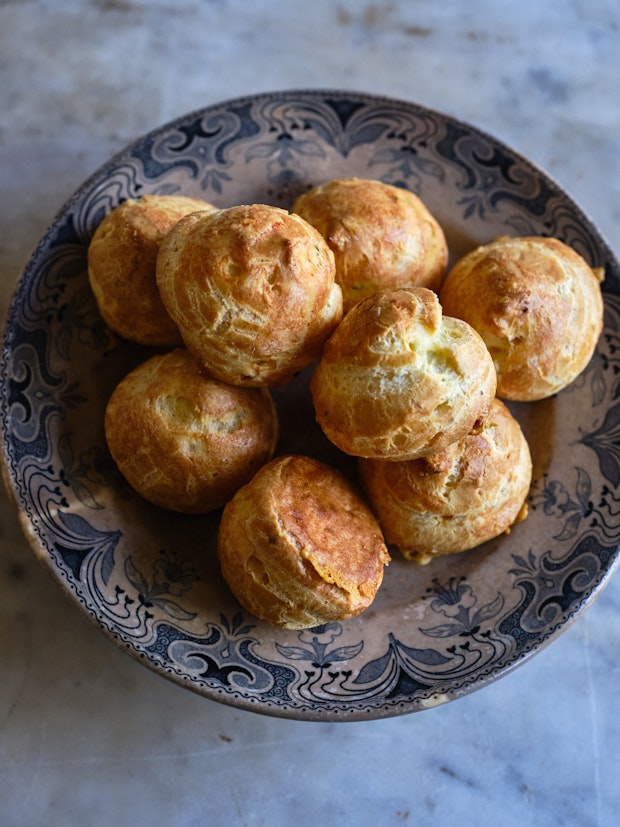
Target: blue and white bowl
{"type": "Point", "coordinates": [150, 579]}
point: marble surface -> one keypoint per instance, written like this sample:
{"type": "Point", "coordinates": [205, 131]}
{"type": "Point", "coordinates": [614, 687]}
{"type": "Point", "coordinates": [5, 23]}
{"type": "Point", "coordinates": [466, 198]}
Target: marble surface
{"type": "Point", "coordinates": [87, 735]}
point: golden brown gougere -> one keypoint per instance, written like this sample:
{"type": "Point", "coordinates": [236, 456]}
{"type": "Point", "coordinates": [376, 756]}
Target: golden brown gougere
{"type": "Point", "coordinates": [469, 492]}
{"type": "Point", "coordinates": [399, 380]}
{"type": "Point", "coordinates": [299, 546]}
{"type": "Point", "coordinates": [252, 290]}
{"type": "Point", "coordinates": [538, 306]}
{"type": "Point", "coordinates": [186, 441]}
{"type": "Point", "coordinates": [382, 236]}
{"type": "Point", "coordinates": [122, 257]}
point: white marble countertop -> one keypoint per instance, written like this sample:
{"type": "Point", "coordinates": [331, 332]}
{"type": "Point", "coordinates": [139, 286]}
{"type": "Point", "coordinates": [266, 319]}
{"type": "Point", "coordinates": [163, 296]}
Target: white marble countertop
{"type": "Point", "coordinates": [87, 735]}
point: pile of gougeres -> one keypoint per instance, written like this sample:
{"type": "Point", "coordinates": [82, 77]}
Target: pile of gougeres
{"type": "Point", "coordinates": [410, 365]}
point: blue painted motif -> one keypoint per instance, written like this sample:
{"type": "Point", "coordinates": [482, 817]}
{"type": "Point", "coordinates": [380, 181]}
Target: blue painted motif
{"type": "Point", "coordinates": [64, 482]}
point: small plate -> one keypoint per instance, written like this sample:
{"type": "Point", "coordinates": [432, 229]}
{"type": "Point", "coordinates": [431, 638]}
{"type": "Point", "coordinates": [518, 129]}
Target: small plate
{"type": "Point", "coordinates": [151, 580]}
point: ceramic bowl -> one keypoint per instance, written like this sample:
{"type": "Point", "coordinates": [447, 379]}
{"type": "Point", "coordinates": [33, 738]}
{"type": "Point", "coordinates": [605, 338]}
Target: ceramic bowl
{"type": "Point", "coordinates": [150, 579]}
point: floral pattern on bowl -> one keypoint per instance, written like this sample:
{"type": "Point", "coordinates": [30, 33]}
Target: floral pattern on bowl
{"type": "Point", "coordinates": [151, 580]}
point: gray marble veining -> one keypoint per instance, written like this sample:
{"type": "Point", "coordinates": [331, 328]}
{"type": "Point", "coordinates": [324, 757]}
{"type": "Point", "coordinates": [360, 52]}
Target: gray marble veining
{"type": "Point", "coordinates": [88, 736]}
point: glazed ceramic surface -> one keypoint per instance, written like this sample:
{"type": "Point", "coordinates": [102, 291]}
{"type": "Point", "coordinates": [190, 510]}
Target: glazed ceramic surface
{"type": "Point", "coordinates": [150, 579]}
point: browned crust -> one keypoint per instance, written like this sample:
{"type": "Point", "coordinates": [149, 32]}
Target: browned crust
{"type": "Point", "coordinates": [382, 236]}
{"type": "Point", "coordinates": [452, 501]}
{"type": "Point", "coordinates": [299, 546]}
{"type": "Point", "coordinates": [252, 291]}
{"type": "Point", "coordinates": [538, 306]}
{"type": "Point", "coordinates": [398, 380]}
{"type": "Point", "coordinates": [121, 266]}
{"type": "Point", "coordinates": [185, 441]}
